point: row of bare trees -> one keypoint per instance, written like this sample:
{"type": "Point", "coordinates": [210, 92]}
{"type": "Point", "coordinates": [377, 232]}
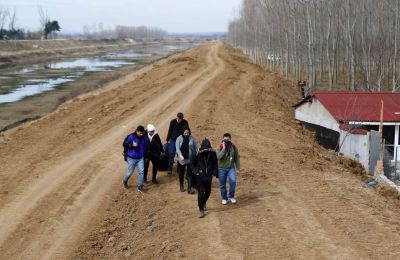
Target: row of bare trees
{"type": "Point", "coordinates": [334, 44]}
{"type": "Point", "coordinates": [141, 33]}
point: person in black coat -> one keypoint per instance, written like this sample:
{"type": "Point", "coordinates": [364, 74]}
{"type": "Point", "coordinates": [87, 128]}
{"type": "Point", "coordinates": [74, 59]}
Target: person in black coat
{"type": "Point", "coordinates": [154, 152]}
{"type": "Point", "coordinates": [175, 130]}
{"type": "Point", "coordinates": [204, 167]}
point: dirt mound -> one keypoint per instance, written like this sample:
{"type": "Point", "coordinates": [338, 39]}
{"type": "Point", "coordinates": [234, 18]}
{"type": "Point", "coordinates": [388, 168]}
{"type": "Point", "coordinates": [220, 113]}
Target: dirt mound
{"type": "Point", "coordinates": [181, 59]}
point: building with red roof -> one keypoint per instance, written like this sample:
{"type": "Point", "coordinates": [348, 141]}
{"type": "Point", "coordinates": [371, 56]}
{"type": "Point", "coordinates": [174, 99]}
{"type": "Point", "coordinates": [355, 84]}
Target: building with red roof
{"type": "Point", "coordinates": [348, 122]}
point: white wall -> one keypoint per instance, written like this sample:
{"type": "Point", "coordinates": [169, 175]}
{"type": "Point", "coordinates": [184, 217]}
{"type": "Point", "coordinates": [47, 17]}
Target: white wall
{"type": "Point", "coordinates": [315, 113]}
{"type": "Point", "coordinates": [355, 147]}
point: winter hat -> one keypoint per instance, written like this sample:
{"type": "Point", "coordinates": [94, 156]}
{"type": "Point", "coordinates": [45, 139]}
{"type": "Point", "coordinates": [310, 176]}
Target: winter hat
{"type": "Point", "coordinates": [151, 128]}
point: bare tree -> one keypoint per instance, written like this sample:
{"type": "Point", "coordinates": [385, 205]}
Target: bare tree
{"type": "Point", "coordinates": [12, 20]}
{"type": "Point", "coordinates": [43, 17]}
{"type": "Point", "coordinates": [4, 13]}
{"type": "Point", "coordinates": [355, 40]}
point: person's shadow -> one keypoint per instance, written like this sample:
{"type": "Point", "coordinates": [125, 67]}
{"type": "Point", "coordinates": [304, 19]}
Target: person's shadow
{"type": "Point", "coordinates": [243, 199]}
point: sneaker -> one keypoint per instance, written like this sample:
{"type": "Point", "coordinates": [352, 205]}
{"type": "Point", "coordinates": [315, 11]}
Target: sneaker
{"type": "Point", "coordinates": [202, 214]}
{"type": "Point", "coordinates": [224, 202]}
{"type": "Point", "coordinates": [232, 200]}
{"type": "Point", "coordinates": [125, 183]}
{"type": "Point", "coordinates": [140, 188]}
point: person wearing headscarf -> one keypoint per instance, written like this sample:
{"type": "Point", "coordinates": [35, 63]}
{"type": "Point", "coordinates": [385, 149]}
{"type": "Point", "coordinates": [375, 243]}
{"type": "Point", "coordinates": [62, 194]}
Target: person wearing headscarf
{"type": "Point", "coordinates": [154, 152]}
{"type": "Point", "coordinates": [204, 167]}
{"type": "Point", "coordinates": [186, 149]}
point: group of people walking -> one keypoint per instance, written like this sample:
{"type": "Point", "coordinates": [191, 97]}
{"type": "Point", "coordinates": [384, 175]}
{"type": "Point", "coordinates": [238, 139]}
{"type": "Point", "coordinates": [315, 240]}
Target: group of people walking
{"type": "Point", "coordinates": [198, 165]}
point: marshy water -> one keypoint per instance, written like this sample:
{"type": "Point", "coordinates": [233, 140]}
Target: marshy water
{"type": "Point", "coordinates": [17, 83]}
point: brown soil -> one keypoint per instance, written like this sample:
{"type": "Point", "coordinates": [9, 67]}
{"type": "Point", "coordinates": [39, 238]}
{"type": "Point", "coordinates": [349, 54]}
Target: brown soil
{"type": "Point", "coordinates": [62, 197]}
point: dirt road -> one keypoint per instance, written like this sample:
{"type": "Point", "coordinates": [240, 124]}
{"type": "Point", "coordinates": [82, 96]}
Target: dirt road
{"type": "Point", "coordinates": [62, 197]}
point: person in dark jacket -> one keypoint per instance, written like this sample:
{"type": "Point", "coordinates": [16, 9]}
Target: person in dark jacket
{"type": "Point", "coordinates": [175, 129]}
{"type": "Point", "coordinates": [154, 152]}
{"type": "Point", "coordinates": [186, 149]}
{"type": "Point", "coordinates": [137, 147]}
{"type": "Point", "coordinates": [204, 167]}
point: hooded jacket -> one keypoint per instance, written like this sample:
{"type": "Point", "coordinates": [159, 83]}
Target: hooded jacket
{"type": "Point", "coordinates": [205, 163]}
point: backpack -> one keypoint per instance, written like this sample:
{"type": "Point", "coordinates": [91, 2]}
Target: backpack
{"type": "Point", "coordinates": [163, 163]}
{"type": "Point", "coordinates": [126, 146]}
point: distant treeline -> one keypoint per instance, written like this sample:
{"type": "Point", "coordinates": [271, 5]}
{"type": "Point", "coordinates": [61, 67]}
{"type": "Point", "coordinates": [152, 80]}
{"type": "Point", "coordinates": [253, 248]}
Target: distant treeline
{"type": "Point", "coordinates": [19, 34]}
{"type": "Point", "coordinates": [138, 33]}
{"type": "Point", "coordinates": [12, 34]}
{"type": "Point", "coordinates": [50, 27]}
{"type": "Point", "coordinates": [351, 44]}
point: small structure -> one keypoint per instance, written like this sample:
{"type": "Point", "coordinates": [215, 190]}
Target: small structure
{"type": "Point", "coordinates": [348, 122]}
{"type": "Point", "coordinates": [302, 84]}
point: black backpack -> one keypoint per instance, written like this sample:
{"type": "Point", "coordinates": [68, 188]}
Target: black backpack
{"type": "Point", "coordinates": [126, 147]}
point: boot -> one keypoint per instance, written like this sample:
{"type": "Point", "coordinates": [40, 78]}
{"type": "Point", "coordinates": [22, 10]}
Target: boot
{"type": "Point", "coordinates": [190, 191]}
{"type": "Point", "coordinates": [182, 189]}
{"type": "Point", "coordinates": [154, 179]}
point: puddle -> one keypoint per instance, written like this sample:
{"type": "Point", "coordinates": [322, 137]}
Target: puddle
{"type": "Point", "coordinates": [33, 89]}
{"type": "Point", "coordinates": [89, 64]}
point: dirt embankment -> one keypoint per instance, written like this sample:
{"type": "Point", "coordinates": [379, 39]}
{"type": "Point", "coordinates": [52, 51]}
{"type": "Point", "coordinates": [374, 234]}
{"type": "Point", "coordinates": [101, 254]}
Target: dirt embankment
{"type": "Point", "coordinates": [35, 51]}
{"type": "Point", "coordinates": [63, 197]}
{"type": "Point", "coordinates": [22, 52]}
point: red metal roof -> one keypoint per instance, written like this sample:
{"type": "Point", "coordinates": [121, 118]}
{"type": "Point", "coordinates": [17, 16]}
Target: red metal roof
{"type": "Point", "coordinates": [359, 106]}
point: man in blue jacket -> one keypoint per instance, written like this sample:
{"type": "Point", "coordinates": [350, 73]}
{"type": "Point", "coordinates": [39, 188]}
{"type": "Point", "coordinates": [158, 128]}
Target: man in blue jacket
{"type": "Point", "coordinates": [137, 146]}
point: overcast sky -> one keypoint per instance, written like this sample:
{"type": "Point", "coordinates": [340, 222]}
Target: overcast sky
{"type": "Point", "coordinates": [171, 15]}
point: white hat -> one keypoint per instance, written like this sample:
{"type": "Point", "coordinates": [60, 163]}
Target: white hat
{"type": "Point", "coordinates": [151, 127]}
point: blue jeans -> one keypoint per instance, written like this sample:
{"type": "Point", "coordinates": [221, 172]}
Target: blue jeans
{"type": "Point", "coordinates": [222, 176]}
{"type": "Point", "coordinates": [132, 163]}
{"type": "Point", "coordinates": [171, 152]}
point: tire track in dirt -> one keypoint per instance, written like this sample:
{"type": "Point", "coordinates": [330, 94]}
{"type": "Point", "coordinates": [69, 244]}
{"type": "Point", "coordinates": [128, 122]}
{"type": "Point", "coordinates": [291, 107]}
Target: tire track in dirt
{"type": "Point", "coordinates": [91, 195]}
